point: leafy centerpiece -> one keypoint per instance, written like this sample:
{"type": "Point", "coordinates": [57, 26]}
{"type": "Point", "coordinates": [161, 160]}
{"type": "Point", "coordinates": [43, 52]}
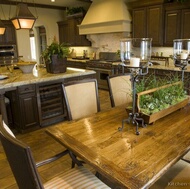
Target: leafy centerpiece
{"type": "Point", "coordinates": [158, 97]}
{"type": "Point", "coordinates": [55, 57]}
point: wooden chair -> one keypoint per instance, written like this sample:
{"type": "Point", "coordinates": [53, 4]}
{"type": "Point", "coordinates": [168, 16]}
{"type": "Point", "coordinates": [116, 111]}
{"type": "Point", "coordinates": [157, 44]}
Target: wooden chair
{"type": "Point", "coordinates": [120, 89]}
{"type": "Point", "coordinates": [81, 98]}
{"type": "Point", "coordinates": [176, 177]}
{"type": "Point", "coordinates": [25, 171]}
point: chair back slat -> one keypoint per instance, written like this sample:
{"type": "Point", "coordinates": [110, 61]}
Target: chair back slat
{"type": "Point", "coordinates": [21, 160]}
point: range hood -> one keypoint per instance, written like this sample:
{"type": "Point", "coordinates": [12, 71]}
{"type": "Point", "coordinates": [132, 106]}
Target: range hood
{"type": "Point", "coordinates": [106, 16]}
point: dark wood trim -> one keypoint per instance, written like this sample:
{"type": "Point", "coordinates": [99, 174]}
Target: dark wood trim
{"type": "Point", "coordinates": [144, 3]}
{"type": "Point", "coordinates": [176, 5]}
{"type": "Point", "coordinates": [9, 2]}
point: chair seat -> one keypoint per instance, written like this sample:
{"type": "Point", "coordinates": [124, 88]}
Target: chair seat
{"type": "Point", "coordinates": [76, 178]}
{"type": "Point", "coordinates": [176, 177]}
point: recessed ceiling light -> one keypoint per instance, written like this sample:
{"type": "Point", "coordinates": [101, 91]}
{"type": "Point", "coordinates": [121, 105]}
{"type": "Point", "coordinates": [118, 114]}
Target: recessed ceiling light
{"type": "Point", "coordinates": [52, 0]}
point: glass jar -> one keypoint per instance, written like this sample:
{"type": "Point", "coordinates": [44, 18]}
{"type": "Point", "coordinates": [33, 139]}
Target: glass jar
{"type": "Point", "coordinates": [135, 51]}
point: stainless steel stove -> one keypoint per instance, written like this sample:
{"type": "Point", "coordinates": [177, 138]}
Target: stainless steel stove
{"type": "Point", "coordinates": [104, 67]}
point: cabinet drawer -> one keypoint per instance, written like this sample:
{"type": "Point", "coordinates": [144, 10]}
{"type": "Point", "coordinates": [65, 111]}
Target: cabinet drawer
{"type": "Point", "coordinates": [26, 89]}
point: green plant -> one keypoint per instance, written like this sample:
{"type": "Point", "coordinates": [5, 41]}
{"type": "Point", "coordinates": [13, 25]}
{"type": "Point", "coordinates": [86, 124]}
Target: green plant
{"type": "Point", "coordinates": [163, 97]}
{"type": "Point", "coordinates": [74, 10]}
{"type": "Point", "coordinates": [118, 52]}
{"type": "Point", "coordinates": [62, 50]}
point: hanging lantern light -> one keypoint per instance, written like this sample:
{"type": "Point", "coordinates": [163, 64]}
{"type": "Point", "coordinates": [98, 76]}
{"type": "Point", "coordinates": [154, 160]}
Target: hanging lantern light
{"type": "Point", "coordinates": [2, 28]}
{"type": "Point", "coordinates": [24, 18]}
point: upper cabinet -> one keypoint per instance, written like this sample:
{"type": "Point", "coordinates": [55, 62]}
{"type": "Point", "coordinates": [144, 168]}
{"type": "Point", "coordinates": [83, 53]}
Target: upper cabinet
{"type": "Point", "coordinates": [172, 26]}
{"type": "Point", "coordinates": [176, 23]}
{"type": "Point", "coordinates": [69, 32]}
{"type": "Point", "coordinates": [163, 22]}
{"type": "Point", "coordinates": [139, 23]}
{"type": "Point", "coordinates": [147, 22]}
{"type": "Point", "coordinates": [185, 29]}
{"type": "Point", "coordinates": [9, 37]}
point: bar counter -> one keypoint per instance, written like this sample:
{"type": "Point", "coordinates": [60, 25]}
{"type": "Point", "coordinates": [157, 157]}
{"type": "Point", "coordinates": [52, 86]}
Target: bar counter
{"type": "Point", "coordinates": [169, 68]}
{"type": "Point", "coordinates": [35, 99]}
{"type": "Point", "coordinates": [17, 78]}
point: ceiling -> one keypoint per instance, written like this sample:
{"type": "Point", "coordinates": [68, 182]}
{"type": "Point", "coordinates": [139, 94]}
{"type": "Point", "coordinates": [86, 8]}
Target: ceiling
{"type": "Point", "coordinates": [60, 4]}
{"type": "Point", "coordinates": [47, 3]}
{"type": "Point", "coordinates": [63, 3]}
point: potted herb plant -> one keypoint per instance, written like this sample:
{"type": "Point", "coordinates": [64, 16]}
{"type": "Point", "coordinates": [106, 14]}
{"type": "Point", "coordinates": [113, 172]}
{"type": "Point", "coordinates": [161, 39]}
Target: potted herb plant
{"type": "Point", "coordinates": [75, 12]}
{"type": "Point", "coordinates": [55, 57]}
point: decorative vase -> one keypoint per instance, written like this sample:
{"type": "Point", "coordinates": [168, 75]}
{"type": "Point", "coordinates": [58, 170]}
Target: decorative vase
{"type": "Point", "coordinates": [56, 65]}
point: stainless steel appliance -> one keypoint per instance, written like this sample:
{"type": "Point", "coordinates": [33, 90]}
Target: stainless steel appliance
{"type": "Point", "coordinates": [8, 54]}
{"type": "Point", "coordinates": [104, 67]}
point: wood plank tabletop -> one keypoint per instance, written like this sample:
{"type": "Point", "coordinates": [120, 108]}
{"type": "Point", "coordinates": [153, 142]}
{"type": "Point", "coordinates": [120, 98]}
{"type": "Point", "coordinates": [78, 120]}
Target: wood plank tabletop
{"type": "Point", "coordinates": [133, 161]}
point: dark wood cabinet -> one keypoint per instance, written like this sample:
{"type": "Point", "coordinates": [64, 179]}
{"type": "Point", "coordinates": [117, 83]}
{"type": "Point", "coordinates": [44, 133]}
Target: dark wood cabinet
{"type": "Point", "coordinates": [176, 25]}
{"type": "Point", "coordinates": [139, 23]}
{"type": "Point", "coordinates": [9, 37]}
{"type": "Point", "coordinates": [155, 24]}
{"type": "Point", "coordinates": [66, 33]}
{"type": "Point", "coordinates": [24, 108]}
{"type": "Point", "coordinates": [172, 26]}
{"type": "Point", "coordinates": [69, 32]}
{"type": "Point", "coordinates": [185, 29]}
{"type": "Point", "coordinates": [162, 22]}
{"type": "Point", "coordinates": [29, 111]}
{"type": "Point", "coordinates": [147, 22]}
{"type": "Point", "coordinates": [80, 40]}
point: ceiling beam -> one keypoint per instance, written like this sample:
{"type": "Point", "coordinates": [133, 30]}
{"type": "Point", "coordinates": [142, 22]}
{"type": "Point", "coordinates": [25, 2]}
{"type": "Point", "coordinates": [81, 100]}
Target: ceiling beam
{"type": "Point", "coordinates": [9, 2]}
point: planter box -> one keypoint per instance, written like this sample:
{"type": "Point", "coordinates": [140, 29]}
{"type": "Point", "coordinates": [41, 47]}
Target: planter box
{"type": "Point", "coordinates": [148, 119]}
{"type": "Point", "coordinates": [155, 116]}
{"type": "Point", "coordinates": [57, 65]}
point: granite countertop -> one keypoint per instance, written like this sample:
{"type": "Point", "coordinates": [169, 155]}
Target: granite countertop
{"type": "Point", "coordinates": [77, 60]}
{"type": "Point", "coordinates": [17, 78]}
{"type": "Point", "coordinates": [172, 68]}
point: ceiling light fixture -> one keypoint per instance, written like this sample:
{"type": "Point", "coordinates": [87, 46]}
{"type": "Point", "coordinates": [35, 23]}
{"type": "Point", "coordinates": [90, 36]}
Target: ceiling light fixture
{"type": "Point", "coordinates": [24, 18]}
{"type": "Point", "coordinates": [2, 28]}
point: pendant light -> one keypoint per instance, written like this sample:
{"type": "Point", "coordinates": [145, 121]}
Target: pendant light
{"type": "Point", "coordinates": [24, 18]}
{"type": "Point", "coordinates": [2, 26]}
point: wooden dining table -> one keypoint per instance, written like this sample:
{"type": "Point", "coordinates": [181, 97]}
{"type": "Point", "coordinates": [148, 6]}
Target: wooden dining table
{"type": "Point", "coordinates": [129, 160]}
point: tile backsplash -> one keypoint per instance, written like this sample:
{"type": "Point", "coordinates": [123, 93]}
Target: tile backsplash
{"type": "Point", "coordinates": [111, 43]}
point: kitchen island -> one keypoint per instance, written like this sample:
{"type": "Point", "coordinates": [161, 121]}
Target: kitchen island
{"type": "Point", "coordinates": [35, 99]}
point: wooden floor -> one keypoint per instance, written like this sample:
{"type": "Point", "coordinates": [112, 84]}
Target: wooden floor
{"type": "Point", "coordinates": [44, 146]}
